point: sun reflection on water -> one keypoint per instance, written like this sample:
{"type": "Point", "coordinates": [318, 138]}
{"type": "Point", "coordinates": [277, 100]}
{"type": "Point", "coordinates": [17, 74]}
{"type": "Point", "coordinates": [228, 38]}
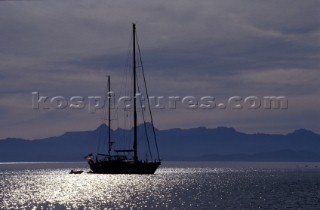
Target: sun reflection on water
{"type": "Point", "coordinates": [54, 188]}
{"type": "Point", "coordinates": [171, 188]}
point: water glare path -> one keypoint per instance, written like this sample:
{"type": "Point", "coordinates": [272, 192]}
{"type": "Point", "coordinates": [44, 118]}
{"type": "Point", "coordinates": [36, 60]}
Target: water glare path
{"type": "Point", "coordinates": [172, 187]}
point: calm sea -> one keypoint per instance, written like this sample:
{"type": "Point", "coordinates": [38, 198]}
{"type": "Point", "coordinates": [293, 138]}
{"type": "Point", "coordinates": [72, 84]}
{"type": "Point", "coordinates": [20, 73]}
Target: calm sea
{"type": "Point", "coordinates": [176, 185]}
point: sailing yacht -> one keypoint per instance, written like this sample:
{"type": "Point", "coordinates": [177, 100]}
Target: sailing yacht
{"type": "Point", "coordinates": [126, 161]}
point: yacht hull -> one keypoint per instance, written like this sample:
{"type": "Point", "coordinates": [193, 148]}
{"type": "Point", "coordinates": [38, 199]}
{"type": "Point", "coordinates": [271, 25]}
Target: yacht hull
{"type": "Point", "coordinates": [124, 167]}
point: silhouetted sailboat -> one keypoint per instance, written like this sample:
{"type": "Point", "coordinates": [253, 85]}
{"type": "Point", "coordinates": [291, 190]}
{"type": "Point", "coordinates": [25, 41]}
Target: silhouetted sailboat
{"type": "Point", "coordinates": [119, 161]}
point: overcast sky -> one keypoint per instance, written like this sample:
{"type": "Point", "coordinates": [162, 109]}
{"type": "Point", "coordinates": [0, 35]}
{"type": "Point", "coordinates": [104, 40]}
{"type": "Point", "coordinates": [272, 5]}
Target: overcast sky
{"type": "Point", "coordinates": [200, 48]}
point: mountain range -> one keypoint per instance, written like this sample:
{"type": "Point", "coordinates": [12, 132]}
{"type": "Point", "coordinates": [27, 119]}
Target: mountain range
{"type": "Point", "coordinates": [200, 144]}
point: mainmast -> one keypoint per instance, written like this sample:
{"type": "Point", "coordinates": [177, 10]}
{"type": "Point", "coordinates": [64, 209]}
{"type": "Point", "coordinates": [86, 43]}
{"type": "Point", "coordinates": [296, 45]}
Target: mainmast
{"type": "Point", "coordinates": [135, 155]}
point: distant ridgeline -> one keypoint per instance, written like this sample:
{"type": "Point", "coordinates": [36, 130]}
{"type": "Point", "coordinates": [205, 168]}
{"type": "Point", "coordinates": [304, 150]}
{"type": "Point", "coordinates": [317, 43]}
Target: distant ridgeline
{"type": "Point", "coordinates": [203, 144]}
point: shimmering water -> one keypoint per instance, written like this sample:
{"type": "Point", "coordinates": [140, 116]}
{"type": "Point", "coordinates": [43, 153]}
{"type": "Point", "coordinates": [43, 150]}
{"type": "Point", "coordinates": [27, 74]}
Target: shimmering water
{"type": "Point", "coordinates": [176, 185]}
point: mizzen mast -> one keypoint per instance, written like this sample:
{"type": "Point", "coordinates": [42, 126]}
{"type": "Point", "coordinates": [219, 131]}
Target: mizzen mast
{"type": "Point", "coordinates": [109, 120]}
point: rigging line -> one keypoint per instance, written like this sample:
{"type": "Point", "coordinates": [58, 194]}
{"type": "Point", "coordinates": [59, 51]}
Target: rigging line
{"type": "Point", "coordinates": [125, 92]}
{"type": "Point", "coordinates": [101, 142]}
{"type": "Point", "coordinates": [143, 112]}
{"type": "Point", "coordinates": [106, 97]}
{"type": "Point", "coordinates": [98, 142]}
{"type": "Point", "coordinates": [144, 123]}
{"type": "Point", "coordinates": [123, 88]}
{"type": "Point", "coordinates": [128, 92]}
{"type": "Point", "coordinates": [144, 79]}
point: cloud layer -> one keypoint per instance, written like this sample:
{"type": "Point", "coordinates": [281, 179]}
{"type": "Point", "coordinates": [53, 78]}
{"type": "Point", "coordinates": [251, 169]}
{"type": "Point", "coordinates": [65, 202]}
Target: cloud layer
{"type": "Point", "coordinates": [218, 48]}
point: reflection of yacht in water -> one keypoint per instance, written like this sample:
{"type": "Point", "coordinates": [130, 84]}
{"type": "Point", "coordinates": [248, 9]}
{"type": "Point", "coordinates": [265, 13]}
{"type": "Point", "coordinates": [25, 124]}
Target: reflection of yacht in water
{"type": "Point", "coordinates": [126, 161]}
